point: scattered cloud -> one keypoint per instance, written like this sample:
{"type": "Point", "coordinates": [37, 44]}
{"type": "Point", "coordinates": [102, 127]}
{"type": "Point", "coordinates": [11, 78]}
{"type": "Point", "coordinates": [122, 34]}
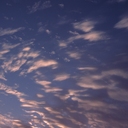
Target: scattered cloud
{"type": "Point", "coordinates": [30, 103]}
{"type": "Point", "coordinates": [44, 83]}
{"type": "Point", "coordinates": [48, 31]}
{"type": "Point", "coordinates": [118, 94]}
{"type": "Point", "coordinates": [35, 7]}
{"type": "Point", "coordinates": [90, 34]}
{"type": "Point", "coordinates": [7, 46]}
{"type": "Point", "coordinates": [41, 29]}
{"type": "Point", "coordinates": [91, 81]}
{"type": "Point", "coordinates": [10, 90]}
{"type": "Point", "coordinates": [87, 68]}
{"type": "Point", "coordinates": [61, 5]}
{"type": "Point", "coordinates": [10, 31]}
{"type": "Point", "coordinates": [42, 63]}
{"type": "Point", "coordinates": [85, 26]}
{"type": "Point", "coordinates": [123, 23]}
{"type": "Point", "coordinates": [74, 33]}
{"type": "Point", "coordinates": [61, 77]}
{"type": "Point", "coordinates": [74, 55]}
{"type": "Point", "coordinates": [39, 6]}
{"type": "Point", "coordinates": [26, 49]}
{"type": "Point", "coordinates": [39, 95]}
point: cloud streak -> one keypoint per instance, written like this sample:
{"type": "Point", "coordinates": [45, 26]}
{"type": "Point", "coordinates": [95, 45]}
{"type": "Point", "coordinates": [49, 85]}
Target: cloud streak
{"type": "Point", "coordinates": [10, 31]}
{"type": "Point", "coordinates": [123, 23]}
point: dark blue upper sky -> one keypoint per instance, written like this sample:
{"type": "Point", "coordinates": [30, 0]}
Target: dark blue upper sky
{"type": "Point", "coordinates": [64, 64]}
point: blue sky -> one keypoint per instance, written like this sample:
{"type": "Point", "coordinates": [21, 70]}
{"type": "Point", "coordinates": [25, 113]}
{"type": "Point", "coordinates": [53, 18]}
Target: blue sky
{"type": "Point", "coordinates": [64, 64]}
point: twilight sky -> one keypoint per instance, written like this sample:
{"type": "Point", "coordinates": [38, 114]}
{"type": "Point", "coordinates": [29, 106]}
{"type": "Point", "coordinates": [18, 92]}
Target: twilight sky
{"type": "Point", "coordinates": [64, 64]}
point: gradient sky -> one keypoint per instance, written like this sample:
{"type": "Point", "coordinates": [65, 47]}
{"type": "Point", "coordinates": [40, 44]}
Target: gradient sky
{"type": "Point", "coordinates": [64, 64]}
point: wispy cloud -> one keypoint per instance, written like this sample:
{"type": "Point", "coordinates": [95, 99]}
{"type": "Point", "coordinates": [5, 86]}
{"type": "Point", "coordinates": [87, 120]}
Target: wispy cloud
{"type": "Point", "coordinates": [39, 6]}
{"type": "Point", "coordinates": [10, 31]}
{"type": "Point", "coordinates": [123, 23]}
{"type": "Point", "coordinates": [61, 77]}
{"type": "Point", "coordinates": [42, 63]}
{"type": "Point", "coordinates": [85, 25]}
{"type": "Point", "coordinates": [87, 68]}
{"type": "Point", "coordinates": [61, 5]}
{"type": "Point", "coordinates": [74, 55]}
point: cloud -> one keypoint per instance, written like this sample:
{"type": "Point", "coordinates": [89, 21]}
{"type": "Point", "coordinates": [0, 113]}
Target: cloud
{"type": "Point", "coordinates": [44, 83]}
{"type": "Point", "coordinates": [10, 90]}
{"type": "Point", "coordinates": [42, 63]}
{"type": "Point", "coordinates": [87, 68]}
{"type": "Point", "coordinates": [93, 36]}
{"type": "Point", "coordinates": [13, 66]}
{"type": "Point", "coordinates": [30, 103]}
{"type": "Point", "coordinates": [41, 29]}
{"type": "Point", "coordinates": [91, 81]}
{"type": "Point", "coordinates": [38, 6]}
{"type": "Point", "coordinates": [26, 49]}
{"type": "Point", "coordinates": [15, 62]}
{"type": "Point", "coordinates": [35, 7]}
{"type": "Point", "coordinates": [2, 77]}
{"type": "Point", "coordinates": [118, 94]}
{"type": "Point", "coordinates": [48, 31]}
{"type": "Point", "coordinates": [61, 5]}
{"type": "Point", "coordinates": [39, 95]}
{"type": "Point", "coordinates": [90, 34]}
{"type": "Point", "coordinates": [8, 46]}
{"type": "Point", "coordinates": [61, 77]}
{"type": "Point", "coordinates": [74, 55]}
{"type": "Point", "coordinates": [10, 31]}
{"type": "Point", "coordinates": [85, 25]}
{"type": "Point", "coordinates": [123, 23]}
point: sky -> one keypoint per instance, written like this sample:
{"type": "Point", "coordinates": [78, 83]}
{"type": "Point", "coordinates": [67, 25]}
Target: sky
{"type": "Point", "coordinates": [64, 64]}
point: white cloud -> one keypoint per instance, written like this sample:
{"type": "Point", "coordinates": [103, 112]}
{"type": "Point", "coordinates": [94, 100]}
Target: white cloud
{"type": "Point", "coordinates": [30, 103]}
{"type": "Point", "coordinates": [85, 26]}
{"type": "Point", "coordinates": [93, 36]}
{"type": "Point", "coordinates": [13, 65]}
{"type": "Point", "coordinates": [74, 55]}
{"type": "Point", "coordinates": [10, 31]}
{"type": "Point", "coordinates": [61, 77]}
{"type": "Point", "coordinates": [26, 49]}
{"type": "Point", "coordinates": [89, 33]}
{"type": "Point", "coordinates": [89, 81]}
{"type": "Point", "coordinates": [123, 23]}
{"type": "Point", "coordinates": [42, 63]}
{"type": "Point", "coordinates": [39, 95]}
{"type": "Point", "coordinates": [44, 83]}
{"type": "Point", "coordinates": [87, 68]}
{"type": "Point", "coordinates": [15, 62]}
{"type": "Point", "coordinates": [10, 90]}
{"type": "Point", "coordinates": [48, 31]}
